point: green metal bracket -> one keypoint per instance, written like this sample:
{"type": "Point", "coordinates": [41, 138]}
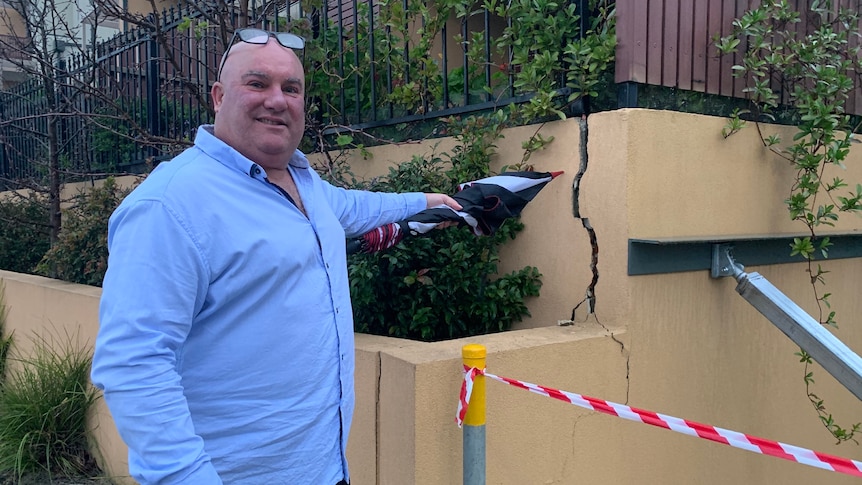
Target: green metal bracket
{"type": "Point", "coordinates": [658, 256]}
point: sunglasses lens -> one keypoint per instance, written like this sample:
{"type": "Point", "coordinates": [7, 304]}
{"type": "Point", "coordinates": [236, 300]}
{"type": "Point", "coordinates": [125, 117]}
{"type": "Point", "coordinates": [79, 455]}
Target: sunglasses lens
{"type": "Point", "coordinates": [290, 41]}
{"type": "Point", "coordinates": [258, 36]}
{"type": "Point", "coordinates": [254, 36]}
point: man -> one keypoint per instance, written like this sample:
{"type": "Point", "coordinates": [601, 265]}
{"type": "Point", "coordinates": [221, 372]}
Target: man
{"type": "Point", "coordinates": [226, 343]}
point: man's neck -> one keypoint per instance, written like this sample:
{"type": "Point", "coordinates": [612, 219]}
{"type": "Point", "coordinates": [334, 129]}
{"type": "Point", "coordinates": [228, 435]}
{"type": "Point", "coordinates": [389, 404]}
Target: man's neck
{"type": "Point", "coordinates": [283, 179]}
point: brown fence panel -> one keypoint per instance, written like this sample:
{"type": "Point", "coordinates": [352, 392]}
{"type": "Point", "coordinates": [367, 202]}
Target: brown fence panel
{"type": "Point", "coordinates": [699, 43]}
{"type": "Point", "coordinates": [671, 38]}
{"type": "Point", "coordinates": [685, 38]}
{"type": "Point", "coordinates": [631, 40]}
{"type": "Point", "coordinates": [725, 76]}
{"type": "Point", "coordinates": [713, 63]}
{"type": "Point", "coordinates": [854, 103]}
{"type": "Point", "coordinates": [655, 41]}
{"type": "Point", "coordinates": [671, 43]}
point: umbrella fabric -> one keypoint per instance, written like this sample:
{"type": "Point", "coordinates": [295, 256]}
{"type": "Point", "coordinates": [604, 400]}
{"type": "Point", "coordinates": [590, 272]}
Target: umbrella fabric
{"type": "Point", "coordinates": [486, 203]}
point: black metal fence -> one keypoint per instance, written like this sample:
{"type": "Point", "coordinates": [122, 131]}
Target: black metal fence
{"type": "Point", "coordinates": [135, 99]}
{"type": "Point", "coordinates": [140, 98]}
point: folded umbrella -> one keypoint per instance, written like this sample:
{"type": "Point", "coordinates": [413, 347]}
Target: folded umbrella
{"type": "Point", "coordinates": [486, 203]}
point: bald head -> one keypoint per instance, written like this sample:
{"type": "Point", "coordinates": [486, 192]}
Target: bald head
{"type": "Point", "coordinates": [241, 47]}
{"type": "Point", "coordinates": [259, 102]}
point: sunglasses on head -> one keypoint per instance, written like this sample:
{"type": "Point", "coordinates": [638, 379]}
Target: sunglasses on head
{"type": "Point", "coordinates": [259, 36]}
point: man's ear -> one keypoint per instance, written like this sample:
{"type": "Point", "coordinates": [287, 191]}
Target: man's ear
{"type": "Point", "coordinates": [217, 93]}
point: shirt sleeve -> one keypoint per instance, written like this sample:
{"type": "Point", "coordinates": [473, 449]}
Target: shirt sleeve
{"type": "Point", "coordinates": [361, 211]}
{"type": "Point", "coordinates": [155, 283]}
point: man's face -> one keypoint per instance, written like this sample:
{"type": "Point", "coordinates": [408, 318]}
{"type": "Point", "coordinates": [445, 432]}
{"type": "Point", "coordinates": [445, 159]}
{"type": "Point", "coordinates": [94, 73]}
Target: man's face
{"type": "Point", "coordinates": [260, 102]}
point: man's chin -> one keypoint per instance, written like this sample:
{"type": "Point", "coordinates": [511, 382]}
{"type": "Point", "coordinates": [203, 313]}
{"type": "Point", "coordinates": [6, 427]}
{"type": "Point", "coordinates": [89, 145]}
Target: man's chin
{"type": "Point", "coordinates": [275, 148]}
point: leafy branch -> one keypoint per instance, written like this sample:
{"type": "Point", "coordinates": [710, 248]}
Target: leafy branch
{"type": "Point", "coordinates": [804, 79]}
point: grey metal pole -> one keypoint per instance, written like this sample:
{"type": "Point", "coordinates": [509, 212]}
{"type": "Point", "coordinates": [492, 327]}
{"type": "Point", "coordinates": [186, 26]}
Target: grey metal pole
{"type": "Point", "coordinates": [474, 455]}
{"type": "Point", "coordinates": [825, 348]}
{"type": "Point", "coordinates": [844, 364]}
{"type": "Point", "coordinates": [473, 356]}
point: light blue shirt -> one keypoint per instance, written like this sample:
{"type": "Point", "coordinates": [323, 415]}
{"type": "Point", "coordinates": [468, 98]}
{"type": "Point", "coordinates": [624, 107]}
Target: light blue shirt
{"type": "Point", "coordinates": [225, 349]}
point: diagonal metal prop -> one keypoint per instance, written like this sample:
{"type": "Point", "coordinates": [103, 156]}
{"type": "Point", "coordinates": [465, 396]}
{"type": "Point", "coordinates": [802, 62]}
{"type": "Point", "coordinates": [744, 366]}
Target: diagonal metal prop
{"type": "Point", "coordinates": [830, 352]}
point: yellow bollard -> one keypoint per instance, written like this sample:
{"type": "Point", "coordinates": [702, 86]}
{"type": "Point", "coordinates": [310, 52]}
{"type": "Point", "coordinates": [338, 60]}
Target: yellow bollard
{"type": "Point", "coordinates": [473, 355]}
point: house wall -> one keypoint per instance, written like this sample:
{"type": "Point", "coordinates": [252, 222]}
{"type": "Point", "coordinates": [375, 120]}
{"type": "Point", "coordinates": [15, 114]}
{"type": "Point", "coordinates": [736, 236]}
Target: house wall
{"type": "Point", "coordinates": [681, 344]}
{"type": "Point", "coordinates": [12, 29]}
{"type": "Point", "coordinates": [11, 23]}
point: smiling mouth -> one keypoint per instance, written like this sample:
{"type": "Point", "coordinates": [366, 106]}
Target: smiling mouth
{"type": "Point", "coordinates": [272, 122]}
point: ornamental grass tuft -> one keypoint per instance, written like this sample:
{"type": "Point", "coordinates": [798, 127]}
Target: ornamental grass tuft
{"type": "Point", "coordinates": [44, 403]}
{"type": "Point", "coordinates": [5, 340]}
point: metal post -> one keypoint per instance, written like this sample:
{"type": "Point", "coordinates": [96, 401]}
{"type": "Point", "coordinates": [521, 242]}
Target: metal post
{"type": "Point", "coordinates": [5, 168]}
{"type": "Point", "coordinates": [805, 331]}
{"type": "Point", "coordinates": [474, 421]}
{"type": "Point", "coordinates": [153, 94]}
{"type": "Point", "coordinates": [830, 352]}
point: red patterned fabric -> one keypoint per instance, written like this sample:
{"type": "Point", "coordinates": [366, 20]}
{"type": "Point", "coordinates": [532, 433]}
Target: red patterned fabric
{"type": "Point", "coordinates": [486, 204]}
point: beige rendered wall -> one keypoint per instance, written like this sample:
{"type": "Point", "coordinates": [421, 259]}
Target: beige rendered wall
{"type": "Point", "coordinates": [145, 7]}
{"type": "Point", "coordinates": [689, 345]}
{"type": "Point", "coordinates": [70, 190]}
{"type": "Point", "coordinates": [680, 344]}
{"type": "Point", "coordinates": [11, 23]}
{"type": "Point", "coordinates": [553, 240]}
{"type": "Point", "coordinates": [54, 310]}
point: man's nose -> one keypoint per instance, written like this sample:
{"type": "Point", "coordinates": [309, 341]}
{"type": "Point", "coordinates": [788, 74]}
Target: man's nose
{"type": "Point", "coordinates": [275, 98]}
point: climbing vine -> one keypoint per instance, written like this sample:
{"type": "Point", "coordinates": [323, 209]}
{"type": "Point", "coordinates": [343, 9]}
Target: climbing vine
{"type": "Point", "coordinates": [804, 79]}
{"type": "Point", "coordinates": [387, 62]}
{"type": "Point", "coordinates": [416, 291]}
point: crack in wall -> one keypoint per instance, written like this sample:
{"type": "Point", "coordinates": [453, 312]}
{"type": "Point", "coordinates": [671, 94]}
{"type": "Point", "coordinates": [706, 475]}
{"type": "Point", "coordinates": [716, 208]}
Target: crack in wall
{"type": "Point", "coordinates": [590, 293]}
{"type": "Point", "coordinates": [377, 418]}
{"type": "Point", "coordinates": [590, 296]}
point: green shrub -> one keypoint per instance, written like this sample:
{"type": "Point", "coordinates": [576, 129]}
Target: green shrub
{"type": "Point", "coordinates": [81, 252]}
{"type": "Point", "coordinates": [440, 287]}
{"type": "Point", "coordinates": [43, 410]}
{"type": "Point", "coordinates": [24, 236]}
{"type": "Point", "coordinates": [444, 285]}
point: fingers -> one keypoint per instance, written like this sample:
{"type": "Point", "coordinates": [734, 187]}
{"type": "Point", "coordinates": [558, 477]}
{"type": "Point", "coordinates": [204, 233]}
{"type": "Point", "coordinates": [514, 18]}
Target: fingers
{"type": "Point", "coordinates": [450, 202]}
{"type": "Point", "coordinates": [434, 200]}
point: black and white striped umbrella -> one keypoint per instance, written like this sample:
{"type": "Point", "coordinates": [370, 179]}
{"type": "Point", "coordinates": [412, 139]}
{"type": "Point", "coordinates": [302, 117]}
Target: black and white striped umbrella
{"type": "Point", "coordinates": [486, 203]}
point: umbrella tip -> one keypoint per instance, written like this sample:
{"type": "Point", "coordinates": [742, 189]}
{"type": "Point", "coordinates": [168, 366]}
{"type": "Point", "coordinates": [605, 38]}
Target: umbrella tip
{"type": "Point", "coordinates": [555, 174]}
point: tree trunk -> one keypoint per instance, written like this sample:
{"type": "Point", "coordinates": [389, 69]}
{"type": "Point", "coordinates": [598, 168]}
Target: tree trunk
{"type": "Point", "coordinates": [53, 179]}
{"type": "Point", "coordinates": [53, 158]}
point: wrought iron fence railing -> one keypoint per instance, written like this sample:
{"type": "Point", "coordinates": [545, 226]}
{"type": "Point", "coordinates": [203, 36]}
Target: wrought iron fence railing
{"type": "Point", "coordinates": [140, 95]}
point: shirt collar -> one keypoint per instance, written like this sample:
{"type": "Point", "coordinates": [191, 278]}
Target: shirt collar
{"type": "Point", "coordinates": [207, 142]}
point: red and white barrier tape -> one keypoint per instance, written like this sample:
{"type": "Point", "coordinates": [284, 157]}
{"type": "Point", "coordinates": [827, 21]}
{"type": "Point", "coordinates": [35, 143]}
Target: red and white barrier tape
{"type": "Point", "coordinates": [691, 428]}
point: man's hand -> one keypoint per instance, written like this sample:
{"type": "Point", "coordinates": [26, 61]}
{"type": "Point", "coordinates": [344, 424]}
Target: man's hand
{"type": "Point", "coordinates": [433, 200]}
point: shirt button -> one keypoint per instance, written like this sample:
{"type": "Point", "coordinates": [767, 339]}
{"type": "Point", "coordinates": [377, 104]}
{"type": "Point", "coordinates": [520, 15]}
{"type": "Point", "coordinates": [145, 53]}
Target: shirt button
{"type": "Point", "coordinates": [336, 310]}
{"type": "Point", "coordinates": [257, 170]}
